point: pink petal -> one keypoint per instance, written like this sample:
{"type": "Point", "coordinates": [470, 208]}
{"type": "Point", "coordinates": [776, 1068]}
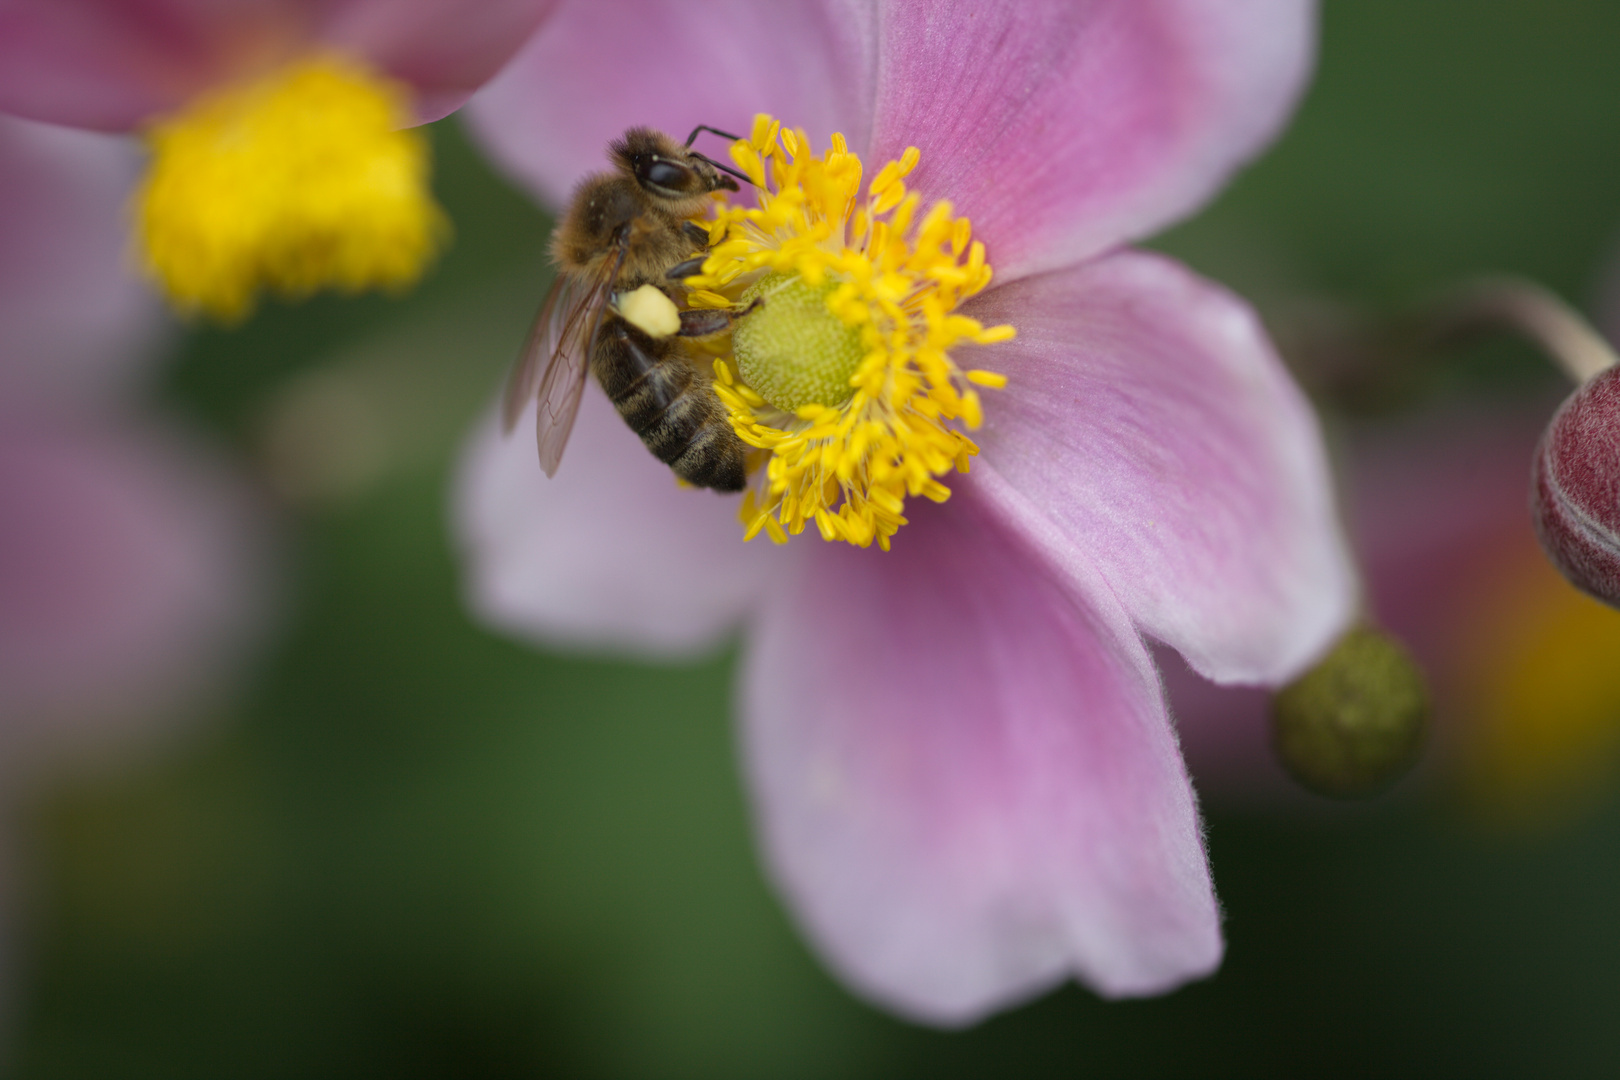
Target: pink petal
{"type": "Point", "coordinates": [1063, 128]}
{"type": "Point", "coordinates": [1149, 419]}
{"type": "Point", "coordinates": [609, 552]}
{"type": "Point", "coordinates": [111, 64]}
{"type": "Point", "coordinates": [966, 783]}
{"type": "Point", "coordinates": [446, 49]}
{"type": "Point", "coordinates": [130, 575]}
{"type": "Point", "coordinates": [596, 69]}
{"type": "Point", "coordinates": [73, 320]}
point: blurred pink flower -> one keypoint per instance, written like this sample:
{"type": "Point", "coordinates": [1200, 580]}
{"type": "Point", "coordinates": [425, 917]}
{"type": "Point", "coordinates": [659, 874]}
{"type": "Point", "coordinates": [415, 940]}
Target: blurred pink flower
{"type": "Point", "coordinates": [1526, 694]}
{"type": "Point", "coordinates": [278, 129]}
{"type": "Point", "coordinates": [74, 324]}
{"type": "Point", "coordinates": [116, 65]}
{"type": "Point", "coordinates": [130, 568]}
{"type": "Point", "coordinates": [128, 576]}
{"type": "Point", "coordinates": [967, 785]}
{"type": "Point", "coordinates": [1436, 510]}
{"type": "Point", "coordinates": [131, 563]}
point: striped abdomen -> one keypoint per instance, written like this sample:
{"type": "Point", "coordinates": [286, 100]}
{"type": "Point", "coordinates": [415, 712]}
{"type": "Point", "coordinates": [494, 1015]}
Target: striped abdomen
{"type": "Point", "coordinates": [670, 405]}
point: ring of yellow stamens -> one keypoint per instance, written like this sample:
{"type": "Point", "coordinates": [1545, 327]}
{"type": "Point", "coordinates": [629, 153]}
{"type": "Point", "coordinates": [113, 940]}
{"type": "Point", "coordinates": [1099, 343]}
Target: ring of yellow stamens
{"type": "Point", "coordinates": [305, 178]}
{"type": "Point", "coordinates": [849, 464]}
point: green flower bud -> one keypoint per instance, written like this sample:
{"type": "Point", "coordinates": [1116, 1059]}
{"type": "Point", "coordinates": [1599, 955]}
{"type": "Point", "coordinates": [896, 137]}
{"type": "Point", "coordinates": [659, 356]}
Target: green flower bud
{"type": "Point", "coordinates": [1353, 724]}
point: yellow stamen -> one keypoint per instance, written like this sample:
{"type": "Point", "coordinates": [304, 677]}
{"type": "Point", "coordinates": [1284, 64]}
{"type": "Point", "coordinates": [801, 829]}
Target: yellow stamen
{"type": "Point", "coordinates": [301, 180]}
{"type": "Point", "coordinates": [844, 377]}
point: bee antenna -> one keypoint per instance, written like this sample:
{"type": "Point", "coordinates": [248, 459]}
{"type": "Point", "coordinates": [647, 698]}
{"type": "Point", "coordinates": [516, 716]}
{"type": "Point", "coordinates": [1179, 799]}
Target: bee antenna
{"type": "Point", "coordinates": [690, 139]}
{"type": "Point", "coordinates": [724, 168]}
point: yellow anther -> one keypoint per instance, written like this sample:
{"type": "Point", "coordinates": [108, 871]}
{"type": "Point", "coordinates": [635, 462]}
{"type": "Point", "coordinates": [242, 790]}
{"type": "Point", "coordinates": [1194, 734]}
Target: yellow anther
{"type": "Point", "coordinates": [705, 298]}
{"type": "Point", "coordinates": [763, 133]}
{"type": "Point", "coordinates": [870, 286]}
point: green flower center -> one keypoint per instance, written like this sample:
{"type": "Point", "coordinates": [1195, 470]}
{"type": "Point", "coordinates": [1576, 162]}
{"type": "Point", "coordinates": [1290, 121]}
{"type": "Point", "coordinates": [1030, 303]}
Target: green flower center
{"type": "Point", "coordinates": [792, 350]}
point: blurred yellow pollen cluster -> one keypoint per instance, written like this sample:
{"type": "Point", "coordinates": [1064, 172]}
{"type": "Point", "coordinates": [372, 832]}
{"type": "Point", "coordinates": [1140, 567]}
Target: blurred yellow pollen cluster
{"type": "Point", "coordinates": [303, 180]}
{"type": "Point", "coordinates": [1543, 689]}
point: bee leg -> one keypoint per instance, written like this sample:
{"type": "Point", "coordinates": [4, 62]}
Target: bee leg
{"type": "Point", "coordinates": [705, 322]}
{"type": "Point", "coordinates": [686, 269]}
{"type": "Point", "coordinates": [696, 233]}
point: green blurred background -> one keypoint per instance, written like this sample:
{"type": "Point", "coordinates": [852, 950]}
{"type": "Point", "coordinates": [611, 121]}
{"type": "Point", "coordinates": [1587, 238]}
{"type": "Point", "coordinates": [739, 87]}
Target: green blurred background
{"type": "Point", "coordinates": [410, 848]}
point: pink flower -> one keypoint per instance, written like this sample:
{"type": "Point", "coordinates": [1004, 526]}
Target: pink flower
{"type": "Point", "coordinates": [130, 569]}
{"type": "Point", "coordinates": [277, 156]}
{"type": "Point", "coordinates": [117, 65]}
{"type": "Point", "coordinates": [967, 785]}
{"type": "Point", "coordinates": [74, 325]}
{"type": "Point", "coordinates": [132, 562]}
{"type": "Point", "coordinates": [129, 576]}
{"type": "Point", "coordinates": [1435, 506]}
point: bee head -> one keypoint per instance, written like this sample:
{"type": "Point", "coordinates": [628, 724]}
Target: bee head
{"type": "Point", "coordinates": [664, 168]}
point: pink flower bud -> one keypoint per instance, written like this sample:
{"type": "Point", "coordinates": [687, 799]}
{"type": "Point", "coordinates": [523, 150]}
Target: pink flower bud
{"type": "Point", "coordinates": [1575, 489]}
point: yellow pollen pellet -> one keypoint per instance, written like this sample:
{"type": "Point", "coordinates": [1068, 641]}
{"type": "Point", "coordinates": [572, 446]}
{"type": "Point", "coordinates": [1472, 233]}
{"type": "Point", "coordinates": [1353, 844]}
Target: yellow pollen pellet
{"type": "Point", "coordinates": [650, 310]}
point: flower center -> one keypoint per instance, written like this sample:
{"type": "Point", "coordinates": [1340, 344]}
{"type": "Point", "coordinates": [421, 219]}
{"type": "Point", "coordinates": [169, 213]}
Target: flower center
{"type": "Point", "coordinates": [793, 350]}
{"type": "Point", "coordinates": [301, 180]}
{"type": "Point", "coordinates": [843, 377]}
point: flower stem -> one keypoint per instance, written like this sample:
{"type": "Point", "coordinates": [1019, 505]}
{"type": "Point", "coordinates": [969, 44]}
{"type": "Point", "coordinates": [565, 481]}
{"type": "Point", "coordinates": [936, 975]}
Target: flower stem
{"type": "Point", "coordinates": [1528, 309]}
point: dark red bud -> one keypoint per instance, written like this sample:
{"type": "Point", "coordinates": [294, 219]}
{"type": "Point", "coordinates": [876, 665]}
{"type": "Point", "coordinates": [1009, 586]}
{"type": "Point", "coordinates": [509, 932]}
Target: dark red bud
{"type": "Point", "coordinates": [1575, 488]}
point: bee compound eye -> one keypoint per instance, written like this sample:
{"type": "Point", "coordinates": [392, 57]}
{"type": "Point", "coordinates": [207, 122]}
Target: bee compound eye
{"type": "Point", "coordinates": [667, 174]}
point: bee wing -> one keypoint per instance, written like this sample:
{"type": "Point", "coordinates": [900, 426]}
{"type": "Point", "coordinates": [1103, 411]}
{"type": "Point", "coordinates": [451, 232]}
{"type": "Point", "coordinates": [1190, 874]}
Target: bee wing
{"type": "Point", "coordinates": [554, 361]}
{"type": "Point", "coordinates": [539, 350]}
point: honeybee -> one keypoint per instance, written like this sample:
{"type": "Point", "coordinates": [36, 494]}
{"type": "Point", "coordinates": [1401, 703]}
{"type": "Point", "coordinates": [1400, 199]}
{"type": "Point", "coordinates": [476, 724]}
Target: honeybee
{"type": "Point", "coordinates": [625, 230]}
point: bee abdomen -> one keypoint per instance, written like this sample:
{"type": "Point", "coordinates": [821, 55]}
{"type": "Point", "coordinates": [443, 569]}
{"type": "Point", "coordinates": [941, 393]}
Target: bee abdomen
{"type": "Point", "coordinates": [674, 411]}
{"type": "Point", "coordinates": [650, 388]}
{"type": "Point", "coordinates": [624, 357]}
{"type": "Point", "coordinates": [715, 458]}
{"type": "Point", "coordinates": [650, 403]}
